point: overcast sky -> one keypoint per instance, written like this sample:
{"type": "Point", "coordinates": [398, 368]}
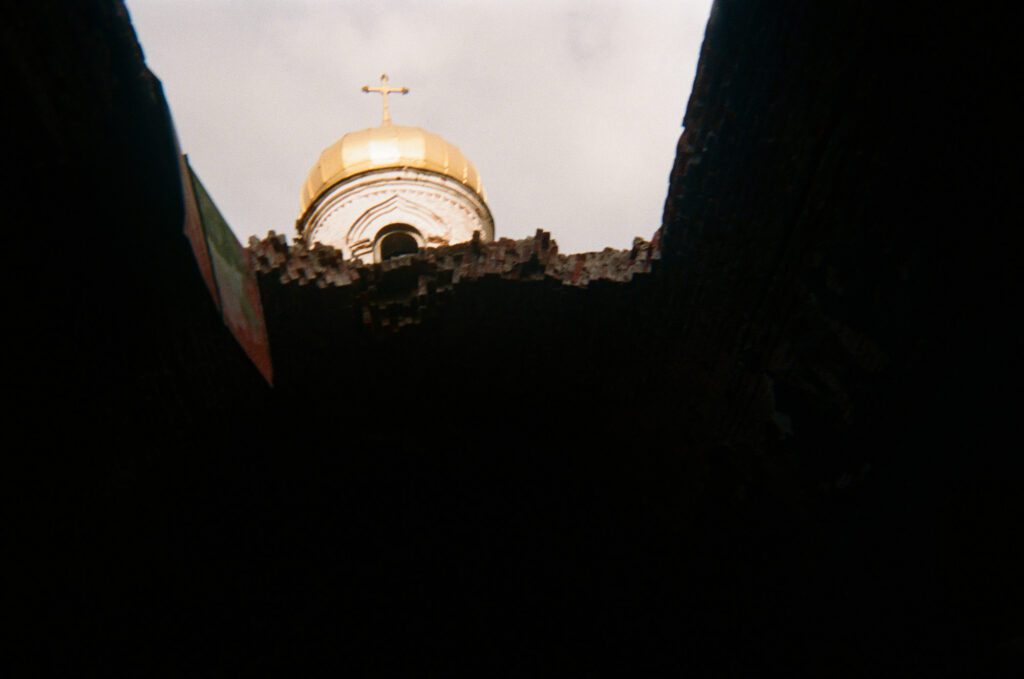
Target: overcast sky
{"type": "Point", "coordinates": [570, 109]}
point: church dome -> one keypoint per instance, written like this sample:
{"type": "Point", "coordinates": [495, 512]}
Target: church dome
{"type": "Point", "coordinates": [387, 147]}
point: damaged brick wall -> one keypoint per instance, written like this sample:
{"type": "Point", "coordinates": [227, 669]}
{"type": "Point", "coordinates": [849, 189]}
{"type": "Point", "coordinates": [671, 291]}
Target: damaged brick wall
{"type": "Point", "coordinates": [392, 292]}
{"type": "Point", "coordinates": [782, 451]}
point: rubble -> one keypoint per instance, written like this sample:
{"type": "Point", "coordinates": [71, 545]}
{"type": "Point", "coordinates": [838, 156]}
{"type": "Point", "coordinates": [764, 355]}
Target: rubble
{"type": "Point", "coordinates": [533, 258]}
{"type": "Point", "coordinates": [395, 291]}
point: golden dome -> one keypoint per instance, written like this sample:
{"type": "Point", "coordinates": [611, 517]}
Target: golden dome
{"type": "Point", "coordinates": [385, 147]}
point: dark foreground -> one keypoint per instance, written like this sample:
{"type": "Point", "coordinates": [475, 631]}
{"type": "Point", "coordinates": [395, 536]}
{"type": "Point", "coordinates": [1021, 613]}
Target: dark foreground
{"type": "Point", "coordinates": [787, 450]}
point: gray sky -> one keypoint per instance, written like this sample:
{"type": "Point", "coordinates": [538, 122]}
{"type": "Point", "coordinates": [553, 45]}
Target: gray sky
{"type": "Point", "coordinates": [570, 109]}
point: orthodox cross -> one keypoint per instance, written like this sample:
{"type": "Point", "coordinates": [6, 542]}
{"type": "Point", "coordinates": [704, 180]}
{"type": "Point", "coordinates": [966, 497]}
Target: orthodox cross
{"type": "Point", "coordinates": [384, 91]}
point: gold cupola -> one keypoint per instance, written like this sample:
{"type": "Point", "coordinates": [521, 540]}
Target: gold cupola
{"type": "Point", "coordinates": [386, 147]}
{"type": "Point", "coordinates": [392, 190]}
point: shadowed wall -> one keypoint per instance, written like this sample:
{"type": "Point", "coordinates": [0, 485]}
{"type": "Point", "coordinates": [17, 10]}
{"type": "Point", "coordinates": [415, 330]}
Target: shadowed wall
{"type": "Point", "coordinates": [776, 452]}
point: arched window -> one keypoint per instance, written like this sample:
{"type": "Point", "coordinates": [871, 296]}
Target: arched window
{"type": "Point", "coordinates": [397, 240]}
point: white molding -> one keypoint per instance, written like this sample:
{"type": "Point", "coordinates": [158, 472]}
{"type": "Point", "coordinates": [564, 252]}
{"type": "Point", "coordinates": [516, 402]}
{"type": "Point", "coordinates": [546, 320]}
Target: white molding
{"type": "Point", "coordinates": [351, 214]}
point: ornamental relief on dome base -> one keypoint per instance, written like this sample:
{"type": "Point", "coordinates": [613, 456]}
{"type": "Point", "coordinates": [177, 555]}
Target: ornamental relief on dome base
{"type": "Point", "coordinates": [433, 209]}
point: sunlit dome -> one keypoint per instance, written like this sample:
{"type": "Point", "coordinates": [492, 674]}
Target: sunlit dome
{"type": "Point", "coordinates": [387, 147]}
{"type": "Point", "coordinates": [392, 190]}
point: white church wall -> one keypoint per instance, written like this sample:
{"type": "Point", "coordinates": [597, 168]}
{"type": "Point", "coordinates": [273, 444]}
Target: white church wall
{"type": "Point", "coordinates": [439, 209]}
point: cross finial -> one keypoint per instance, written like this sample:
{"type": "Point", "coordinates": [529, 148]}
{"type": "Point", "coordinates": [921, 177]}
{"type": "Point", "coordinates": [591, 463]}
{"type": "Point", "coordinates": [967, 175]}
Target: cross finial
{"type": "Point", "coordinates": [384, 91]}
